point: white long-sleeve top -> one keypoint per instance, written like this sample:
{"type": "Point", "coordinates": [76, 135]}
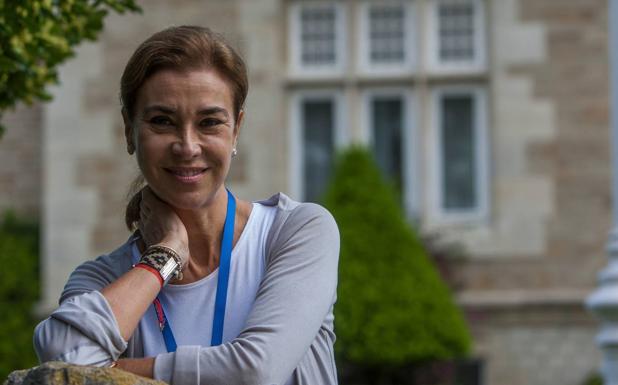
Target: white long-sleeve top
{"type": "Point", "coordinates": [288, 335]}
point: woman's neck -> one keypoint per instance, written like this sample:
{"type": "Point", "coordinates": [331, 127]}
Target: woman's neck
{"type": "Point", "coordinates": [205, 229]}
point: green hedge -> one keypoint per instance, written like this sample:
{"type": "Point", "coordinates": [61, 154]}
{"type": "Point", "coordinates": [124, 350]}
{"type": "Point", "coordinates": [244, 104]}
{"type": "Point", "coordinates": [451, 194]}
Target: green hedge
{"type": "Point", "coordinates": [393, 308]}
{"type": "Point", "coordinates": [594, 379]}
{"type": "Point", "coordinates": [19, 289]}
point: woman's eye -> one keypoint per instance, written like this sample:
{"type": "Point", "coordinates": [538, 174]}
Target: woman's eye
{"type": "Point", "coordinates": [161, 121]}
{"type": "Point", "coordinates": [210, 122]}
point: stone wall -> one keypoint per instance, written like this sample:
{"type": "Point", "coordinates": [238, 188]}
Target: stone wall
{"type": "Point", "coordinates": [533, 327]}
{"type": "Point", "coordinates": [574, 160]}
{"type": "Point", "coordinates": [59, 373]}
{"type": "Point", "coordinates": [20, 161]}
{"type": "Point", "coordinates": [540, 344]}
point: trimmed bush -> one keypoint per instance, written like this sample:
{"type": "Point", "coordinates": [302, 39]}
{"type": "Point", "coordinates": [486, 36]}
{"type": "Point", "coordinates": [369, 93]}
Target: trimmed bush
{"type": "Point", "coordinates": [593, 379]}
{"type": "Point", "coordinates": [19, 289]}
{"type": "Point", "coordinates": [393, 309]}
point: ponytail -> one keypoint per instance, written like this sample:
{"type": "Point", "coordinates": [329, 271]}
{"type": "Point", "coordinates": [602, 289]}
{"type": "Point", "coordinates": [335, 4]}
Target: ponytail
{"type": "Point", "coordinates": [132, 212]}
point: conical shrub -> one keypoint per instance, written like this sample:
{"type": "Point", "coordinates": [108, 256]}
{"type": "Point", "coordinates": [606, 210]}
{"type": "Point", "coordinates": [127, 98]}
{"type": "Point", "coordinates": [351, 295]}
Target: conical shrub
{"type": "Point", "coordinates": [393, 308]}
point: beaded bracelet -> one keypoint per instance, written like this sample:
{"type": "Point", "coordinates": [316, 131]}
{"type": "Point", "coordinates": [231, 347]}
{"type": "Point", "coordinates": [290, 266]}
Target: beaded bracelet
{"type": "Point", "coordinates": [156, 257]}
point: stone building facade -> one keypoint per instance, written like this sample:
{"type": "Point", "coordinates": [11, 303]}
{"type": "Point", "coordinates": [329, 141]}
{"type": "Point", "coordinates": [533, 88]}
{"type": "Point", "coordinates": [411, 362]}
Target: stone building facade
{"type": "Point", "coordinates": [20, 161]}
{"type": "Point", "coordinates": [523, 185]}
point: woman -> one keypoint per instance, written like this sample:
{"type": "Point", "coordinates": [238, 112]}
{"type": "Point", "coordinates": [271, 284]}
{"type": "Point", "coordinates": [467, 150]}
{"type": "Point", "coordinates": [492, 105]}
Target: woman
{"type": "Point", "coordinates": [210, 289]}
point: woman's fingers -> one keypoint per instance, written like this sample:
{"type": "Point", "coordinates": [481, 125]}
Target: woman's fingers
{"type": "Point", "coordinates": [152, 204]}
{"type": "Point", "coordinates": [159, 224]}
{"type": "Point", "coordinates": [149, 224]}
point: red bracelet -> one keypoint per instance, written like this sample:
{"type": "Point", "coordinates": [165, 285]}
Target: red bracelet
{"type": "Point", "coordinates": [152, 270]}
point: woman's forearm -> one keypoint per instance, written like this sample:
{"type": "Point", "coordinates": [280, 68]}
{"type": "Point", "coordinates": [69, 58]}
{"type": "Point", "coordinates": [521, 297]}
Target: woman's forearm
{"type": "Point", "coordinates": [129, 298]}
{"type": "Point", "coordinates": [140, 366]}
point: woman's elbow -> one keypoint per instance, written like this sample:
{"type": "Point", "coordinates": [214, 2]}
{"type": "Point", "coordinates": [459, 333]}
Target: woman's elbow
{"type": "Point", "coordinates": [56, 341]}
{"type": "Point", "coordinates": [46, 346]}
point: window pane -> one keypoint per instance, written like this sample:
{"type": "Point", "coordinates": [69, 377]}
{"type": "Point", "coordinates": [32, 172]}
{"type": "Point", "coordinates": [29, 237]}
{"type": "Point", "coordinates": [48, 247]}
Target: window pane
{"type": "Point", "coordinates": [458, 152]}
{"type": "Point", "coordinates": [387, 122]}
{"type": "Point", "coordinates": [386, 33]}
{"type": "Point", "coordinates": [318, 126]}
{"type": "Point", "coordinates": [318, 35]}
{"type": "Point", "coordinates": [456, 31]}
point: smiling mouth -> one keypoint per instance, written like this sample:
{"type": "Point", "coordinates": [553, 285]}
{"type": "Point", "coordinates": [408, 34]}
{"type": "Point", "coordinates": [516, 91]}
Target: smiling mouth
{"type": "Point", "coordinates": [186, 174]}
{"type": "Point", "coordinates": [186, 171]}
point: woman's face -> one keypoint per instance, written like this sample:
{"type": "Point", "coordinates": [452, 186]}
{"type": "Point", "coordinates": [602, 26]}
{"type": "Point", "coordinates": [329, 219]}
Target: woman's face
{"type": "Point", "coordinates": [183, 131]}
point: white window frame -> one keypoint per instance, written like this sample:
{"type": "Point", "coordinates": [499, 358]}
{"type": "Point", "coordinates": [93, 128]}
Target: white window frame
{"type": "Point", "coordinates": [480, 214]}
{"type": "Point", "coordinates": [410, 137]}
{"type": "Point", "coordinates": [411, 53]}
{"type": "Point", "coordinates": [432, 54]}
{"type": "Point", "coordinates": [296, 146]}
{"type": "Point", "coordinates": [296, 67]}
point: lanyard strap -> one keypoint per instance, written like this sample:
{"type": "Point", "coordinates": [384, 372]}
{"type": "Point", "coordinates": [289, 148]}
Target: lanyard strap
{"type": "Point", "coordinates": [224, 271]}
{"type": "Point", "coordinates": [164, 325]}
{"type": "Point", "coordinates": [222, 283]}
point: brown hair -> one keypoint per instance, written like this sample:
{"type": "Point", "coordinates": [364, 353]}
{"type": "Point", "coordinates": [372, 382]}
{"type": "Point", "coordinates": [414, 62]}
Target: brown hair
{"type": "Point", "coordinates": [179, 48]}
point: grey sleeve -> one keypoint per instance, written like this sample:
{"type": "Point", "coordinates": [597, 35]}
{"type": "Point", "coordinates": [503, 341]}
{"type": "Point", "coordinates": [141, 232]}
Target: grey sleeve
{"type": "Point", "coordinates": [83, 329]}
{"type": "Point", "coordinates": [292, 303]}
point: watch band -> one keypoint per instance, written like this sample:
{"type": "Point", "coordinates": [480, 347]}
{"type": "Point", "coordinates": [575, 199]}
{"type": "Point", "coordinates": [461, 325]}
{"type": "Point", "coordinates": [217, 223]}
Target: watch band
{"type": "Point", "coordinates": [164, 260]}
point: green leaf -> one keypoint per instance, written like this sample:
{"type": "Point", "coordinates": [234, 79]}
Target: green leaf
{"type": "Point", "coordinates": [37, 36]}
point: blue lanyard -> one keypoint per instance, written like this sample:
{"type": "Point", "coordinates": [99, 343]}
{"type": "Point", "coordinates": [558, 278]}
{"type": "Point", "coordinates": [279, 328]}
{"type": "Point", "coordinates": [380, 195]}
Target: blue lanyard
{"type": "Point", "coordinates": [222, 284]}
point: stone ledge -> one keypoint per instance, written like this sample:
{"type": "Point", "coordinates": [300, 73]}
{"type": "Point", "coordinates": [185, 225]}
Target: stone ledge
{"type": "Point", "coordinates": [60, 373]}
{"type": "Point", "coordinates": [514, 298]}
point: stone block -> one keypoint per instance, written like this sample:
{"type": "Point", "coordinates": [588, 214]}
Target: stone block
{"type": "Point", "coordinates": [60, 373]}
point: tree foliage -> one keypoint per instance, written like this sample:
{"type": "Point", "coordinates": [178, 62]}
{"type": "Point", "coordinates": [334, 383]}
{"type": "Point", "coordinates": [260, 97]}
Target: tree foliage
{"type": "Point", "coordinates": [38, 35]}
{"type": "Point", "coordinates": [19, 290]}
{"type": "Point", "coordinates": [393, 308]}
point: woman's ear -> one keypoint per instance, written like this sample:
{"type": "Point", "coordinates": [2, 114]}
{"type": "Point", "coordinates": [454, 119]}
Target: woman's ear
{"type": "Point", "coordinates": [128, 131]}
{"type": "Point", "coordinates": [239, 121]}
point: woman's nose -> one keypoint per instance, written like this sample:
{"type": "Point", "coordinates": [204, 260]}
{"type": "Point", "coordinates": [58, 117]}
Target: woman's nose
{"type": "Point", "coordinates": [186, 145]}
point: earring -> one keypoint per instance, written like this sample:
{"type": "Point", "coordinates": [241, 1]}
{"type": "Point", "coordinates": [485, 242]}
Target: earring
{"type": "Point", "coordinates": [234, 152]}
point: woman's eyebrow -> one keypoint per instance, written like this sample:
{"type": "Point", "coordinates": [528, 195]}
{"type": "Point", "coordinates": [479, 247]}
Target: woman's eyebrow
{"type": "Point", "coordinates": [213, 110]}
{"type": "Point", "coordinates": [159, 108]}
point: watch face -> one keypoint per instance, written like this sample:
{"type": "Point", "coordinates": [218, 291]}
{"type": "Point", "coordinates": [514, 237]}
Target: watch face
{"type": "Point", "coordinates": [167, 271]}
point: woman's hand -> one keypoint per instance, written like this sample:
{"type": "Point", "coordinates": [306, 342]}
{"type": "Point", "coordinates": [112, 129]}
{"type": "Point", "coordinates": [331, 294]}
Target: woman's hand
{"type": "Point", "coordinates": [160, 225]}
